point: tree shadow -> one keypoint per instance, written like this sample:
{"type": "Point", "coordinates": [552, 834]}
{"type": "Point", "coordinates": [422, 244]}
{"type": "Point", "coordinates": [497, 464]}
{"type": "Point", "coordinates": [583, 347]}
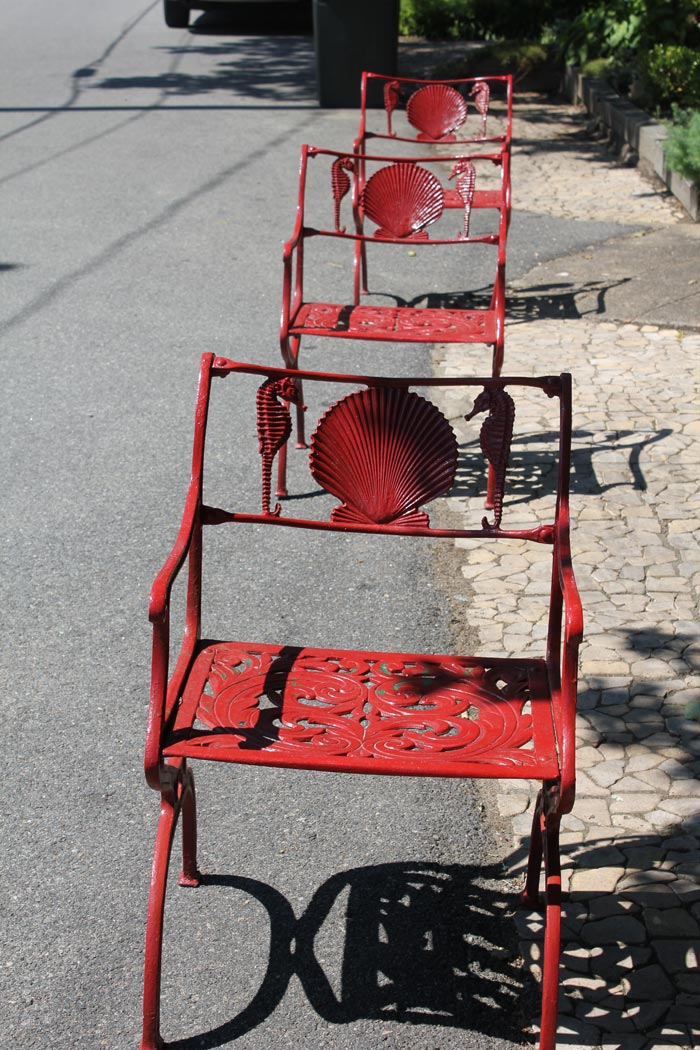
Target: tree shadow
{"type": "Point", "coordinates": [420, 944]}
{"type": "Point", "coordinates": [268, 67]}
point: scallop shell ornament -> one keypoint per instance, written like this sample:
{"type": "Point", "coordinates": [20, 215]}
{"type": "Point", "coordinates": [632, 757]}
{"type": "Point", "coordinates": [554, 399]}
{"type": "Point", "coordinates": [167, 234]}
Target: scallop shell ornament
{"type": "Point", "coordinates": [402, 199]}
{"type": "Point", "coordinates": [436, 111]}
{"type": "Point", "coordinates": [383, 452]}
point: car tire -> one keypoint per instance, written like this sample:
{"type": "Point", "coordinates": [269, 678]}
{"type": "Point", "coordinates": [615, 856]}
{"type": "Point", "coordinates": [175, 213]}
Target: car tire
{"type": "Point", "coordinates": [176, 14]}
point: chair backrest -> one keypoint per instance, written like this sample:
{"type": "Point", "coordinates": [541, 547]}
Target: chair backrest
{"type": "Point", "coordinates": [384, 451]}
{"type": "Point", "coordinates": [437, 111]}
{"type": "Point", "coordinates": [401, 195]}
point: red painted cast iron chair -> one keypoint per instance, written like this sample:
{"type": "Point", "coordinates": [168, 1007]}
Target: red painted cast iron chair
{"type": "Point", "coordinates": [383, 452]}
{"type": "Point", "coordinates": [437, 111]}
{"type": "Point", "coordinates": [409, 197]}
{"type": "Point", "coordinates": [403, 199]}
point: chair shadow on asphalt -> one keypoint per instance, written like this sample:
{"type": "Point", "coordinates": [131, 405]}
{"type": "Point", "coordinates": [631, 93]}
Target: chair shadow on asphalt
{"type": "Point", "coordinates": [418, 944]}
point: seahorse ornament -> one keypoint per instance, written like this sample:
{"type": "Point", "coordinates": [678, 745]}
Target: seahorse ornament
{"type": "Point", "coordinates": [466, 181]}
{"type": "Point", "coordinates": [495, 439]}
{"type": "Point", "coordinates": [392, 97]}
{"type": "Point", "coordinates": [274, 427]}
{"type": "Point", "coordinates": [481, 93]}
{"type": "Point", "coordinates": [340, 184]}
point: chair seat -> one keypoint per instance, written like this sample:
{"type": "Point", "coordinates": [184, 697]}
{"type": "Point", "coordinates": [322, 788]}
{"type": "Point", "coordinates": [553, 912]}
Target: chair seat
{"type": "Point", "coordinates": [401, 323]}
{"type": "Point", "coordinates": [367, 712]}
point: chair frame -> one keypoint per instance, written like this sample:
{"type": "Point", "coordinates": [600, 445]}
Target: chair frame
{"type": "Point", "coordinates": [368, 79]}
{"type": "Point", "coordinates": [499, 199]}
{"type": "Point", "coordinates": [170, 744]}
{"type": "Point", "coordinates": [381, 323]}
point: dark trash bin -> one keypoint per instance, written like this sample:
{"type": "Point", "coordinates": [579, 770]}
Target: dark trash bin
{"type": "Point", "coordinates": [349, 36]}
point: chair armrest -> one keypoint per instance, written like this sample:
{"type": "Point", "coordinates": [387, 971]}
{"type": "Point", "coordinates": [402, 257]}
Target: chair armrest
{"type": "Point", "coordinates": [572, 635]}
{"type": "Point", "coordinates": [188, 544]}
{"type": "Point", "coordinates": [163, 692]}
{"type": "Point", "coordinates": [162, 585]}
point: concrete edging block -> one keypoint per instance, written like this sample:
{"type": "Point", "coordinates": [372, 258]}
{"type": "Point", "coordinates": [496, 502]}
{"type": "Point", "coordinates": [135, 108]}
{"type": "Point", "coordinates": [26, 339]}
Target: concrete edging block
{"type": "Point", "coordinates": [634, 133]}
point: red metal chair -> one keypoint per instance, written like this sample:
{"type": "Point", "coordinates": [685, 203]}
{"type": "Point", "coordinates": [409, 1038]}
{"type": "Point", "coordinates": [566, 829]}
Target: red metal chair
{"type": "Point", "coordinates": [404, 198]}
{"type": "Point", "coordinates": [437, 111]}
{"type": "Point", "coordinates": [383, 452]}
{"type": "Point", "coordinates": [400, 192]}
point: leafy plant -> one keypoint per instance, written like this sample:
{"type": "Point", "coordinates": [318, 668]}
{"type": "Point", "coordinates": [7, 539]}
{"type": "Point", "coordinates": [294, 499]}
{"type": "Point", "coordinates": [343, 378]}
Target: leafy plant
{"type": "Point", "coordinates": [624, 29]}
{"type": "Point", "coordinates": [480, 19]}
{"type": "Point", "coordinates": [673, 74]}
{"type": "Point", "coordinates": [599, 67]}
{"type": "Point", "coordinates": [438, 19]}
{"type": "Point", "coordinates": [682, 146]}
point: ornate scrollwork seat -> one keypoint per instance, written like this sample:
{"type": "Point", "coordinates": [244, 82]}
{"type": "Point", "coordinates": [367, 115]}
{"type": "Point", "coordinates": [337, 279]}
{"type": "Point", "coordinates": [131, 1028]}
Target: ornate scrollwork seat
{"type": "Point", "coordinates": [382, 452]}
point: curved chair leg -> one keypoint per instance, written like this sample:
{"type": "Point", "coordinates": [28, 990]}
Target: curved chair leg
{"type": "Point", "coordinates": [363, 269]}
{"type": "Point", "coordinates": [189, 876]}
{"type": "Point", "coordinates": [281, 491]}
{"type": "Point", "coordinates": [356, 270]}
{"type": "Point", "coordinates": [151, 1038]}
{"type": "Point", "coordinates": [496, 367]}
{"type": "Point", "coordinates": [534, 861]}
{"type": "Point", "coordinates": [290, 346]}
{"type": "Point", "coordinates": [167, 823]}
{"type": "Point", "coordinates": [552, 932]}
{"type": "Point", "coordinates": [545, 841]}
{"type": "Point", "coordinates": [301, 437]}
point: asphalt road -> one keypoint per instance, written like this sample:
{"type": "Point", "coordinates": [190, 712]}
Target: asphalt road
{"type": "Point", "coordinates": [147, 182]}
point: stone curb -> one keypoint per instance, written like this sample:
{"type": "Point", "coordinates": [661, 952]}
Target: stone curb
{"type": "Point", "coordinates": [633, 131]}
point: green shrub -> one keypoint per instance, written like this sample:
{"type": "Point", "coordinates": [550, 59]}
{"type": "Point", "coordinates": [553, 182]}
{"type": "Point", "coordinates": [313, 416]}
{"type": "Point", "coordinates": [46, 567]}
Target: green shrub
{"type": "Point", "coordinates": [438, 19]}
{"type": "Point", "coordinates": [598, 67]}
{"type": "Point", "coordinates": [480, 19]}
{"type": "Point", "coordinates": [626, 29]}
{"type": "Point", "coordinates": [682, 146]}
{"type": "Point", "coordinates": [609, 31]}
{"type": "Point", "coordinates": [673, 74]}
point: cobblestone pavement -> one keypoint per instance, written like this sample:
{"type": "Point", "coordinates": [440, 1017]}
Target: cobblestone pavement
{"type": "Point", "coordinates": [631, 848]}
